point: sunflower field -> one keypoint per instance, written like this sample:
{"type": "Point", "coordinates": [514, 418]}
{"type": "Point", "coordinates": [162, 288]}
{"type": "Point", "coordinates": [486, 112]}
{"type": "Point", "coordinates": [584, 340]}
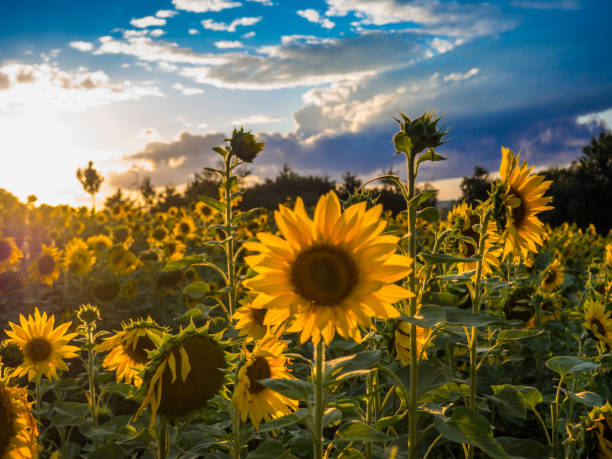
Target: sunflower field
{"type": "Point", "coordinates": [339, 331]}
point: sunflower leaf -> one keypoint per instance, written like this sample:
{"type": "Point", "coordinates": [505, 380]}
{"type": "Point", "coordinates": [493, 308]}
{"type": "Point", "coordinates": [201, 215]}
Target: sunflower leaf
{"type": "Point", "coordinates": [184, 262]}
{"type": "Point", "coordinates": [587, 398]}
{"type": "Point", "coordinates": [295, 389]}
{"type": "Point", "coordinates": [565, 365]}
{"type": "Point", "coordinates": [217, 205]}
{"type": "Point", "coordinates": [358, 431]}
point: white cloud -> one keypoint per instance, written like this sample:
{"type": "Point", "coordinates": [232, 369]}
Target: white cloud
{"type": "Point", "coordinates": [187, 91]}
{"type": "Point", "coordinates": [249, 34]}
{"type": "Point", "coordinates": [263, 2]}
{"type": "Point", "coordinates": [157, 32]}
{"type": "Point", "coordinates": [314, 16]}
{"type": "Point", "coordinates": [231, 27]}
{"type": "Point", "coordinates": [604, 117]}
{"type": "Point", "coordinates": [193, 31]}
{"type": "Point", "coordinates": [148, 21]}
{"type": "Point", "coordinates": [166, 13]}
{"type": "Point", "coordinates": [202, 126]}
{"type": "Point", "coordinates": [203, 6]}
{"type": "Point", "coordinates": [547, 4]}
{"type": "Point", "coordinates": [82, 45]}
{"type": "Point", "coordinates": [166, 67]}
{"type": "Point", "coordinates": [225, 44]}
{"type": "Point", "coordinates": [256, 119]}
{"type": "Point", "coordinates": [461, 76]}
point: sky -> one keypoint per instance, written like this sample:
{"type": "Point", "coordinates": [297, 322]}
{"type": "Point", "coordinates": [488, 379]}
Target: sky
{"type": "Point", "coordinates": [148, 87]}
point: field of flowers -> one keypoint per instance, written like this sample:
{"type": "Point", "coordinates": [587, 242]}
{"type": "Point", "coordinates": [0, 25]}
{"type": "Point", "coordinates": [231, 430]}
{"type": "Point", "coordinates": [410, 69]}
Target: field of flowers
{"type": "Point", "coordinates": [339, 331]}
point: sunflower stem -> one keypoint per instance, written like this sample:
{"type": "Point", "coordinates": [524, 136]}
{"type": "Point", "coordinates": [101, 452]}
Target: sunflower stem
{"type": "Point", "coordinates": [162, 438]}
{"type": "Point", "coordinates": [38, 411]}
{"type": "Point", "coordinates": [236, 446]}
{"type": "Point", "coordinates": [229, 248]}
{"type": "Point", "coordinates": [319, 402]}
{"type": "Point", "coordinates": [90, 375]}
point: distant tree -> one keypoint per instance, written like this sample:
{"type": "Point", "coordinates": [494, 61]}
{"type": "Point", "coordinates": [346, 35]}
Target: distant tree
{"type": "Point", "coordinates": [350, 184]}
{"type": "Point", "coordinates": [91, 180]}
{"type": "Point", "coordinates": [477, 186]}
{"type": "Point", "coordinates": [169, 198]}
{"type": "Point", "coordinates": [115, 199]}
{"type": "Point", "coordinates": [147, 192]}
{"type": "Point", "coordinates": [205, 183]}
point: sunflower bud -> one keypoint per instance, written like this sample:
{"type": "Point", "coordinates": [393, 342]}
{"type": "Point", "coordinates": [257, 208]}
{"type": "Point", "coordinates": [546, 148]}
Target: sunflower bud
{"type": "Point", "coordinates": [419, 134]}
{"type": "Point", "coordinates": [88, 314]}
{"type": "Point", "coordinates": [244, 145]}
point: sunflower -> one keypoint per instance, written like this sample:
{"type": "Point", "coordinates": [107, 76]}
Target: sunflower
{"type": "Point", "coordinates": [77, 227]}
{"type": "Point", "coordinates": [253, 399]}
{"type": "Point", "coordinates": [46, 268]}
{"type": "Point", "coordinates": [185, 372]}
{"type": "Point", "coordinates": [204, 211]}
{"type": "Point", "coordinates": [185, 227]}
{"type": "Point", "coordinates": [18, 430]}
{"type": "Point", "coordinates": [608, 257]}
{"type": "Point", "coordinates": [11, 282]}
{"type": "Point", "coordinates": [462, 218]}
{"type": "Point", "coordinates": [601, 419]}
{"type": "Point", "coordinates": [107, 290]}
{"type": "Point", "coordinates": [99, 243]}
{"type": "Point", "coordinates": [598, 321]}
{"type": "Point", "coordinates": [43, 346]}
{"type": "Point", "coordinates": [250, 321]}
{"type": "Point", "coordinates": [101, 218]}
{"type": "Point", "coordinates": [333, 273]}
{"type": "Point", "coordinates": [158, 236]}
{"type": "Point", "coordinates": [401, 335]}
{"type": "Point", "coordinates": [123, 235]}
{"type": "Point", "coordinates": [523, 200]}
{"type": "Point", "coordinates": [173, 249]}
{"type": "Point", "coordinates": [129, 348]}
{"type": "Point", "coordinates": [9, 253]}
{"type": "Point", "coordinates": [552, 277]}
{"type": "Point", "coordinates": [78, 258]}
{"type": "Point", "coordinates": [121, 261]}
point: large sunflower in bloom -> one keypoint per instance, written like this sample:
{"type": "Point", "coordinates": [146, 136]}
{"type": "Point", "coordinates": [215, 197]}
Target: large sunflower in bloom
{"type": "Point", "coordinates": [253, 399]}
{"type": "Point", "coordinates": [333, 273]}
{"type": "Point", "coordinates": [46, 268]}
{"type": "Point", "coordinates": [128, 349]}
{"type": "Point", "coordinates": [9, 253]}
{"type": "Point", "coordinates": [18, 430]}
{"type": "Point", "coordinates": [552, 277]}
{"type": "Point", "coordinates": [78, 258]}
{"type": "Point", "coordinates": [43, 346]}
{"type": "Point", "coordinates": [250, 321]}
{"type": "Point", "coordinates": [524, 200]}
{"type": "Point", "coordinates": [598, 321]}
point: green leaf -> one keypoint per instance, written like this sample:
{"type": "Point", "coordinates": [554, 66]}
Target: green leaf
{"type": "Point", "coordinates": [285, 421]}
{"type": "Point", "coordinates": [387, 421]}
{"type": "Point", "coordinates": [510, 401]}
{"type": "Point", "coordinates": [429, 214]}
{"type": "Point", "coordinates": [421, 198]}
{"type": "Point", "coordinates": [295, 389]}
{"type": "Point", "coordinates": [402, 143]}
{"type": "Point", "coordinates": [197, 289]}
{"type": "Point", "coordinates": [350, 365]}
{"type": "Point", "coordinates": [590, 399]}
{"type": "Point", "coordinates": [530, 395]}
{"type": "Point", "coordinates": [565, 365]}
{"type": "Point", "coordinates": [184, 262]}
{"type": "Point", "coordinates": [515, 334]}
{"type": "Point", "coordinates": [430, 156]}
{"type": "Point", "coordinates": [439, 258]}
{"type": "Point", "coordinates": [217, 205]}
{"type": "Point", "coordinates": [106, 451]}
{"type": "Point", "coordinates": [524, 448]}
{"type": "Point", "coordinates": [358, 431]}
{"type": "Point", "coordinates": [467, 426]}
{"type": "Point", "coordinates": [441, 299]}
{"type": "Point", "coordinates": [332, 417]}
{"type": "Point", "coordinates": [432, 374]}
{"type": "Point", "coordinates": [428, 316]}
{"type": "Point", "coordinates": [222, 151]}
{"type": "Point", "coordinates": [458, 316]}
{"type": "Point", "coordinates": [247, 214]}
{"type": "Point", "coordinates": [268, 449]}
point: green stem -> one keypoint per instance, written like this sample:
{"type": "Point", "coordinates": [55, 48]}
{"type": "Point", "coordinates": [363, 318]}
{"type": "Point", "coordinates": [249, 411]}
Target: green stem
{"type": "Point", "coordinates": [162, 439]}
{"type": "Point", "coordinates": [229, 233]}
{"type": "Point", "coordinates": [555, 419]}
{"type": "Point", "coordinates": [369, 410]}
{"type": "Point", "coordinates": [414, 370]}
{"type": "Point", "coordinates": [431, 447]}
{"type": "Point", "coordinates": [90, 376]}
{"type": "Point", "coordinates": [543, 425]}
{"type": "Point", "coordinates": [319, 402]}
{"type": "Point", "coordinates": [237, 446]}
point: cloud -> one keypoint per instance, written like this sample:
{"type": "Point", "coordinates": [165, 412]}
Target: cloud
{"type": "Point", "coordinates": [157, 32]}
{"type": "Point", "coordinates": [203, 6]}
{"type": "Point", "coordinates": [224, 44]}
{"type": "Point", "coordinates": [148, 21]}
{"type": "Point", "coordinates": [45, 88]}
{"type": "Point", "coordinates": [461, 76]}
{"type": "Point", "coordinates": [82, 45]}
{"type": "Point", "coordinates": [166, 13]}
{"type": "Point", "coordinates": [257, 119]}
{"type": "Point", "coordinates": [313, 16]}
{"type": "Point", "coordinates": [187, 91]}
{"type": "Point", "coordinates": [5, 82]}
{"type": "Point", "coordinates": [547, 4]}
{"type": "Point", "coordinates": [193, 31]}
{"type": "Point", "coordinates": [209, 24]}
{"type": "Point", "coordinates": [249, 34]}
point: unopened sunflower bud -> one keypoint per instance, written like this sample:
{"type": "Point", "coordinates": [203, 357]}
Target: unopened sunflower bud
{"type": "Point", "coordinates": [88, 314]}
{"type": "Point", "coordinates": [244, 145]}
{"type": "Point", "coordinates": [419, 134]}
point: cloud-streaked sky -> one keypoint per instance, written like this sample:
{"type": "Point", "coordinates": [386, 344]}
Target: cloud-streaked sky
{"type": "Point", "coordinates": [146, 88]}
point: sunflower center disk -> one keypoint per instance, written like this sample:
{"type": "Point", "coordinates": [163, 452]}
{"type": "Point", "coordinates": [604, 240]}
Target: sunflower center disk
{"type": "Point", "coordinates": [324, 274]}
{"type": "Point", "coordinates": [519, 212]}
{"type": "Point", "coordinates": [5, 250]}
{"type": "Point", "coordinates": [550, 278]}
{"type": "Point", "coordinates": [259, 369]}
{"type": "Point", "coordinates": [258, 316]}
{"type": "Point", "coordinates": [46, 264]}
{"type": "Point", "coordinates": [138, 353]}
{"type": "Point", "coordinates": [38, 349]}
{"type": "Point", "coordinates": [7, 428]}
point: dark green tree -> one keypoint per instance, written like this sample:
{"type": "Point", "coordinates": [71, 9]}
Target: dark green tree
{"type": "Point", "coordinates": [476, 188]}
{"type": "Point", "coordinates": [147, 192]}
{"type": "Point", "coordinates": [91, 180]}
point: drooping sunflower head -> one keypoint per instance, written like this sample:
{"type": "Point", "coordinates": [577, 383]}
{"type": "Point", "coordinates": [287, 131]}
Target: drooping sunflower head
{"type": "Point", "coordinates": [44, 347]}
{"type": "Point", "coordinates": [332, 273]}
{"type": "Point", "coordinates": [597, 321]}
{"type": "Point", "coordinates": [18, 430]}
{"type": "Point", "coordinates": [600, 420]}
{"type": "Point", "coordinates": [107, 290]}
{"type": "Point", "coordinates": [46, 267]}
{"type": "Point", "coordinates": [9, 253]}
{"type": "Point", "coordinates": [78, 258]}
{"type": "Point", "coordinates": [523, 200]}
{"type": "Point", "coordinates": [185, 372]}
{"type": "Point", "coordinates": [10, 282]}
{"type": "Point", "coordinates": [552, 277]}
{"type": "Point", "coordinates": [254, 400]}
{"type": "Point", "coordinates": [250, 321]}
{"type": "Point", "coordinates": [401, 339]}
{"type": "Point", "coordinates": [99, 243]}
{"type": "Point", "coordinates": [517, 304]}
{"type": "Point", "coordinates": [130, 347]}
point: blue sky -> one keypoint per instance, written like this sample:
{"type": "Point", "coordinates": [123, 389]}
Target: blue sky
{"type": "Point", "coordinates": [146, 88]}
